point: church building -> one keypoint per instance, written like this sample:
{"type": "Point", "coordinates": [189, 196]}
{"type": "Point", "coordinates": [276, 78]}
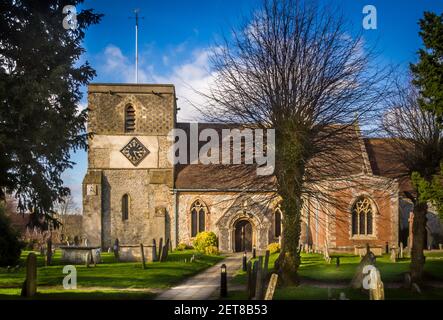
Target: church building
{"type": "Point", "coordinates": [133, 193]}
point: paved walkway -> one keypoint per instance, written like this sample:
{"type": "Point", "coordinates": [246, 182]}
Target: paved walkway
{"type": "Point", "coordinates": [204, 285]}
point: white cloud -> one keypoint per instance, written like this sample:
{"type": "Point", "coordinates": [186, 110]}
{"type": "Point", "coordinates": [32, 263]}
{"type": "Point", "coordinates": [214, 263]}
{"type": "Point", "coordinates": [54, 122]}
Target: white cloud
{"type": "Point", "coordinates": [189, 78]}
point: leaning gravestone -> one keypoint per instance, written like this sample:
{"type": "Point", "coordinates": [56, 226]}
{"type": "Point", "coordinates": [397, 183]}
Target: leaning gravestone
{"type": "Point", "coordinates": [377, 291]}
{"type": "Point", "coordinates": [160, 249]}
{"type": "Point", "coordinates": [164, 255]}
{"type": "Point", "coordinates": [271, 287]}
{"type": "Point", "coordinates": [29, 287]}
{"type": "Point", "coordinates": [369, 258]}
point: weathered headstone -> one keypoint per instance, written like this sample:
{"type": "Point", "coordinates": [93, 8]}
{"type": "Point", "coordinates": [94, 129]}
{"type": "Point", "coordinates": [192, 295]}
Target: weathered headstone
{"type": "Point", "coordinates": [259, 280]}
{"type": "Point", "coordinates": [376, 291]}
{"type": "Point", "coordinates": [88, 259]}
{"type": "Point", "coordinates": [192, 258]}
{"type": "Point", "coordinates": [49, 252]}
{"type": "Point", "coordinates": [400, 253]}
{"type": "Point", "coordinates": [253, 280]}
{"type": "Point", "coordinates": [271, 287]}
{"type": "Point", "coordinates": [142, 253]}
{"type": "Point", "coordinates": [357, 280]}
{"type": "Point", "coordinates": [266, 265]}
{"type": "Point", "coordinates": [164, 255]}
{"type": "Point", "coordinates": [160, 249]}
{"type": "Point", "coordinates": [29, 287]}
{"type": "Point", "coordinates": [116, 248]}
{"type": "Point", "coordinates": [440, 246]}
{"type": "Point", "coordinates": [393, 254]}
{"type": "Point", "coordinates": [86, 242]}
{"type": "Point", "coordinates": [249, 278]}
{"type": "Point", "coordinates": [154, 250]}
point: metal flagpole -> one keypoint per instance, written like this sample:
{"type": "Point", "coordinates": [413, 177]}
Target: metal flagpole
{"type": "Point", "coordinates": [136, 44]}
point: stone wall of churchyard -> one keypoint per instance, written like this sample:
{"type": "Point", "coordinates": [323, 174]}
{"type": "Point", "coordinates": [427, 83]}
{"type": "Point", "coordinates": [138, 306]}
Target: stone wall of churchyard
{"type": "Point", "coordinates": [223, 210]}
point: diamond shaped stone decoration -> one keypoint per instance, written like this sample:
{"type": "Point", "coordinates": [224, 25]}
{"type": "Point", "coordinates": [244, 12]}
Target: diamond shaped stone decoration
{"type": "Point", "coordinates": [135, 151]}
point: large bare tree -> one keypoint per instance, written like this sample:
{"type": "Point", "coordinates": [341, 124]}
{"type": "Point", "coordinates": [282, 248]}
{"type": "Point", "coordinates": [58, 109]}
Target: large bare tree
{"type": "Point", "coordinates": [296, 68]}
{"type": "Point", "coordinates": [416, 143]}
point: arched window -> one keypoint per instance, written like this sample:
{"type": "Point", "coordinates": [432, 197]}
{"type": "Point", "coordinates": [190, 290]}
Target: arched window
{"type": "Point", "coordinates": [277, 223]}
{"type": "Point", "coordinates": [129, 119]}
{"type": "Point", "coordinates": [125, 207]}
{"type": "Point", "coordinates": [198, 217]}
{"type": "Point", "coordinates": [362, 217]}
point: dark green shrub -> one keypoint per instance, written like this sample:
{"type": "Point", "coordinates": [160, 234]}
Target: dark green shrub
{"type": "Point", "coordinates": [10, 244]}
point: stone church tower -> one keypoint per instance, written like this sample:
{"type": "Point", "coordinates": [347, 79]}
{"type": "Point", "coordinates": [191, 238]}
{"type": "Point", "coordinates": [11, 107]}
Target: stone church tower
{"type": "Point", "coordinates": [127, 187]}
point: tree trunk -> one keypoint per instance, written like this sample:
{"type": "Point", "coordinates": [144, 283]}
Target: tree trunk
{"type": "Point", "coordinates": [290, 170]}
{"type": "Point", "coordinates": [288, 261]}
{"type": "Point", "coordinates": [418, 244]}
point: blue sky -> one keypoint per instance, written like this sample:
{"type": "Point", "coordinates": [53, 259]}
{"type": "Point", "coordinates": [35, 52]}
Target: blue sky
{"type": "Point", "coordinates": [175, 38]}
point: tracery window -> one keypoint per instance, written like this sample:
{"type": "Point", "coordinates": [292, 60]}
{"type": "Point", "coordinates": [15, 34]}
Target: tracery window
{"type": "Point", "coordinates": [198, 217]}
{"type": "Point", "coordinates": [362, 217]}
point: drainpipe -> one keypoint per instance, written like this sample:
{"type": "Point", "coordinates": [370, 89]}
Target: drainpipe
{"type": "Point", "coordinates": [176, 216]}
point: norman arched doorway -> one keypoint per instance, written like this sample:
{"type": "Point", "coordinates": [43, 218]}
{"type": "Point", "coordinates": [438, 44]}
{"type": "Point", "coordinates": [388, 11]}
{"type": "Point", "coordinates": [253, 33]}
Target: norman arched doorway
{"type": "Point", "coordinates": [243, 236]}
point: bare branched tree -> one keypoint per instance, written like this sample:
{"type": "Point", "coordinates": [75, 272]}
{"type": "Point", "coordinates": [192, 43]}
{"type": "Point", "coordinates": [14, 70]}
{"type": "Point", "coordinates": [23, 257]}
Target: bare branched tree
{"type": "Point", "coordinates": [416, 141]}
{"type": "Point", "coordinates": [294, 67]}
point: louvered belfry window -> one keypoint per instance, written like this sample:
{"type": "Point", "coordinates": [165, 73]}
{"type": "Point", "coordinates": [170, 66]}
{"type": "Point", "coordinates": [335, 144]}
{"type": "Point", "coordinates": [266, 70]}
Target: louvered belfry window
{"type": "Point", "coordinates": [129, 119]}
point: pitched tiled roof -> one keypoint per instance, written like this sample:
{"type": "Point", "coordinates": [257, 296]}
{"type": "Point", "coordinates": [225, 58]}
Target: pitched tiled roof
{"type": "Point", "coordinates": [385, 161]}
{"type": "Point", "coordinates": [223, 177]}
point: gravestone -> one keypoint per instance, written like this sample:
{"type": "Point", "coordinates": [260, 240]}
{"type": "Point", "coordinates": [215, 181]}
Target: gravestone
{"type": "Point", "coordinates": [142, 253]}
{"type": "Point", "coordinates": [249, 278]}
{"type": "Point", "coordinates": [116, 248]}
{"type": "Point", "coordinates": [253, 280]}
{"type": "Point", "coordinates": [29, 287]}
{"type": "Point", "coordinates": [160, 249]}
{"type": "Point", "coordinates": [400, 253]}
{"type": "Point", "coordinates": [88, 259]}
{"type": "Point", "coordinates": [266, 265]}
{"type": "Point", "coordinates": [393, 254]}
{"type": "Point", "coordinates": [164, 255]}
{"type": "Point", "coordinates": [357, 280]}
{"type": "Point", "coordinates": [192, 258]}
{"type": "Point", "coordinates": [109, 250]}
{"type": "Point", "coordinates": [271, 287]}
{"type": "Point", "coordinates": [259, 280]}
{"type": "Point", "coordinates": [86, 242]}
{"type": "Point", "coordinates": [49, 252]}
{"type": "Point", "coordinates": [154, 250]}
{"type": "Point", "coordinates": [376, 291]}
{"type": "Point", "coordinates": [440, 246]}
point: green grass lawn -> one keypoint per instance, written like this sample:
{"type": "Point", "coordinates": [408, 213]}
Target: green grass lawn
{"type": "Point", "coordinates": [314, 268]}
{"type": "Point", "coordinates": [109, 279]}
